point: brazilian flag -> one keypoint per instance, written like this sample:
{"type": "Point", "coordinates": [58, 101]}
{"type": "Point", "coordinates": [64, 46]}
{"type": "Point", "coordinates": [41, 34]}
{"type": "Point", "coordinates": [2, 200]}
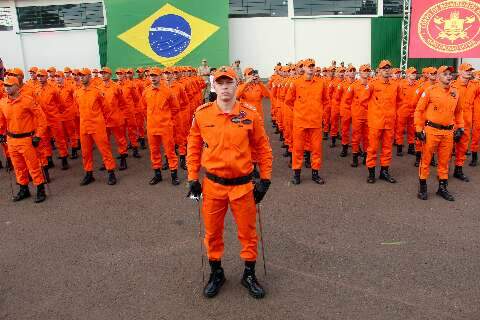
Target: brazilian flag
{"type": "Point", "coordinates": [168, 33]}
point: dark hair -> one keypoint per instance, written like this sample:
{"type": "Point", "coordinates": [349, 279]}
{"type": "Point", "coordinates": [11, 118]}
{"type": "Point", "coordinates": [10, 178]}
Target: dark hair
{"type": "Point", "coordinates": [213, 69]}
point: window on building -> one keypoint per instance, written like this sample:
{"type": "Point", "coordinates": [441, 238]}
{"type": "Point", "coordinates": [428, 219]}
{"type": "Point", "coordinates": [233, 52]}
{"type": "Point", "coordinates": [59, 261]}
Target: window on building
{"type": "Point", "coordinates": [258, 8]}
{"type": "Point", "coordinates": [334, 7]}
{"type": "Point", "coordinates": [392, 7]}
{"type": "Point", "coordinates": [6, 23]}
{"type": "Point", "coordinates": [60, 16]}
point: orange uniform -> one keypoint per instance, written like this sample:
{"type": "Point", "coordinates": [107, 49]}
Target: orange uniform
{"type": "Point", "coordinates": [222, 144]}
{"type": "Point", "coordinates": [253, 93]}
{"type": "Point", "coordinates": [130, 96]}
{"type": "Point", "coordinates": [182, 120]}
{"type": "Point", "coordinates": [68, 114]}
{"type": "Point", "coordinates": [334, 106]}
{"type": "Point", "coordinates": [91, 103]}
{"type": "Point", "coordinates": [345, 112]}
{"type": "Point", "coordinates": [162, 107]}
{"type": "Point", "coordinates": [359, 112]}
{"type": "Point", "coordinates": [20, 119]}
{"type": "Point", "coordinates": [440, 107]}
{"type": "Point", "coordinates": [406, 108]}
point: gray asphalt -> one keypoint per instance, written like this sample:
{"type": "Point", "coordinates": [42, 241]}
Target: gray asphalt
{"type": "Point", "coordinates": [344, 250]}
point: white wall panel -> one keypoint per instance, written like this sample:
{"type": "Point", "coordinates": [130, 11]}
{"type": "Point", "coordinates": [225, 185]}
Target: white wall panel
{"type": "Point", "coordinates": [475, 62]}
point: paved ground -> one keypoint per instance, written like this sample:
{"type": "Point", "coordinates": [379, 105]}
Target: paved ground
{"type": "Point", "coordinates": [345, 250]}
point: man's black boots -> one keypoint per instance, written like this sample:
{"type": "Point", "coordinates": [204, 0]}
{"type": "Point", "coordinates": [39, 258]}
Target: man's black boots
{"type": "Point", "coordinates": [458, 173]}
{"type": "Point", "coordinates": [422, 190]}
{"type": "Point", "coordinates": [50, 163]}
{"type": "Point", "coordinates": [123, 162]}
{"type": "Point", "coordinates": [157, 177]}
{"type": "Point", "coordinates": [418, 158]}
{"type": "Point", "coordinates": [74, 154]}
{"type": "Point", "coordinates": [296, 176]}
{"type": "Point", "coordinates": [112, 179]}
{"type": "Point", "coordinates": [316, 177]}
{"type": "Point", "coordinates": [325, 136]}
{"type": "Point", "coordinates": [41, 195]}
{"type": "Point", "coordinates": [87, 179]}
{"type": "Point", "coordinates": [371, 175]}
{"type": "Point", "coordinates": [334, 140]}
{"type": "Point", "coordinates": [385, 175]}
{"type": "Point", "coordinates": [399, 150]}
{"type": "Point", "coordinates": [474, 161]}
{"type": "Point", "coordinates": [411, 149]}
{"type": "Point", "coordinates": [443, 192]}
{"type": "Point", "coordinates": [249, 281]}
{"type": "Point", "coordinates": [135, 153]}
{"type": "Point", "coordinates": [307, 159]}
{"type": "Point", "coordinates": [183, 162]}
{"type": "Point", "coordinates": [65, 165]}
{"type": "Point", "coordinates": [216, 280]}
{"type": "Point", "coordinates": [46, 174]}
{"type": "Point", "coordinates": [23, 193]}
{"type": "Point", "coordinates": [355, 160]}
{"type": "Point", "coordinates": [141, 141]}
{"type": "Point", "coordinates": [175, 180]}
{"type": "Point", "coordinates": [344, 152]}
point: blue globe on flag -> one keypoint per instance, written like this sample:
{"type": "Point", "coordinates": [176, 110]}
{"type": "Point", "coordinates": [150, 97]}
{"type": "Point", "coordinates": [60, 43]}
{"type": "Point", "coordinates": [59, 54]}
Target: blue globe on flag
{"type": "Point", "coordinates": [170, 35]}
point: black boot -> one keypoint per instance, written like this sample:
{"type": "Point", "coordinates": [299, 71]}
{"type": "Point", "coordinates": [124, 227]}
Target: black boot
{"type": "Point", "coordinates": [334, 140]}
{"type": "Point", "coordinates": [371, 175]}
{"type": "Point", "coordinates": [344, 152]}
{"type": "Point", "coordinates": [157, 177]}
{"type": "Point", "coordinates": [102, 168]}
{"type": "Point", "coordinates": [50, 163]}
{"type": "Point", "coordinates": [458, 173]}
{"type": "Point", "coordinates": [307, 159]}
{"type": "Point", "coordinates": [411, 149]}
{"type": "Point", "coordinates": [418, 158]}
{"type": "Point", "coordinates": [281, 138]}
{"type": "Point", "coordinates": [135, 153]}
{"type": "Point", "coordinates": [216, 280]}
{"type": "Point", "coordinates": [443, 192]}
{"type": "Point", "coordinates": [276, 130]}
{"type": "Point", "coordinates": [141, 141]}
{"type": "Point", "coordinates": [355, 160]}
{"type": "Point", "coordinates": [474, 161]}
{"type": "Point", "coordinates": [165, 164]}
{"type": "Point", "coordinates": [46, 174]}
{"type": "Point", "coordinates": [316, 178]}
{"type": "Point", "coordinates": [422, 190]}
{"type": "Point", "coordinates": [23, 193]}
{"type": "Point", "coordinates": [65, 165]}
{"type": "Point", "coordinates": [183, 162]}
{"type": "Point", "coordinates": [175, 180]}
{"type": "Point", "coordinates": [325, 136]}
{"type": "Point", "coordinates": [1, 164]}
{"type": "Point", "coordinates": [112, 179]}
{"type": "Point", "coordinates": [385, 175]}
{"type": "Point", "coordinates": [290, 160]}
{"type": "Point", "coordinates": [433, 162]}
{"type": "Point", "coordinates": [399, 150]}
{"type": "Point", "coordinates": [52, 144]}
{"type": "Point", "coordinates": [41, 195]}
{"type": "Point", "coordinates": [123, 162]}
{"type": "Point", "coordinates": [8, 165]}
{"type": "Point", "coordinates": [296, 176]}
{"type": "Point", "coordinates": [364, 161]}
{"type": "Point", "coordinates": [87, 179]}
{"type": "Point", "coordinates": [286, 153]}
{"type": "Point", "coordinates": [74, 154]}
{"type": "Point", "coordinates": [249, 281]}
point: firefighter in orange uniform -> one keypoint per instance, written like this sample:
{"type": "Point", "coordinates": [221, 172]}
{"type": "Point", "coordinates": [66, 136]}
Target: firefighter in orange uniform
{"type": "Point", "coordinates": [345, 111]}
{"type": "Point", "coordinates": [67, 113]}
{"type": "Point", "coordinates": [438, 123]}
{"type": "Point", "coordinates": [252, 91]}
{"type": "Point", "coordinates": [91, 104]}
{"type": "Point", "coordinates": [216, 128]}
{"type": "Point", "coordinates": [22, 123]}
{"type": "Point", "coordinates": [407, 104]}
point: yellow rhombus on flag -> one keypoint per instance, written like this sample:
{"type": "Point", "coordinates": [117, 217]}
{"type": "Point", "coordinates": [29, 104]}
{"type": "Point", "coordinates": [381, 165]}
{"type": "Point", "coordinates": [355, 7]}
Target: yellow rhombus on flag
{"type": "Point", "coordinates": [138, 36]}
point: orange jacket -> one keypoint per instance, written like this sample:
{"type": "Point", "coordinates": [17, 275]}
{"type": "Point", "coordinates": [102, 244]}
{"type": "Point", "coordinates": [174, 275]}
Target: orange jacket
{"type": "Point", "coordinates": [439, 105]}
{"type": "Point", "coordinates": [345, 108]}
{"type": "Point", "coordinates": [96, 81]}
{"type": "Point", "coordinates": [466, 99]}
{"type": "Point", "coordinates": [353, 100]}
{"type": "Point", "coordinates": [223, 143]}
{"type": "Point", "coordinates": [68, 110]}
{"type": "Point", "coordinates": [178, 90]}
{"type": "Point", "coordinates": [48, 98]}
{"type": "Point", "coordinates": [338, 93]}
{"type": "Point", "coordinates": [308, 98]}
{"type": "Point", "coordinates": [382, 97]}
{"type": "Point", "coordinates": [90, 102]}
{"type": "Point", "coordinates": [21, 115]}
{"type": "Point", "coordinates": [161, 106]}
{"type": "Point", "coordinates": [130, 97]}
{"type": "Point", "coordinates": [408, 98]}
{"type": "Point", "coordinates": [114, 104]}
{"type": "Point", "coordinates": [253, 93]}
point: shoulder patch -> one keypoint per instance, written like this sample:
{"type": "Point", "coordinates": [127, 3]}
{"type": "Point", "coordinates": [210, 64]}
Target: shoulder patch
{"type": "Point", "coordinates": [204, 106]}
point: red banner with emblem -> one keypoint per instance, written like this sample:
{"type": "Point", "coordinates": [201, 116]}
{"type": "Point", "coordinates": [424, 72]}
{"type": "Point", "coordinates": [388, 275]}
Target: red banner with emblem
{"type": "Point", "coordinates": [445, 29]}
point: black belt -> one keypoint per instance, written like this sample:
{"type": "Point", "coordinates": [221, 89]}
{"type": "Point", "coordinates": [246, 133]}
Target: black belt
{"type": "Point", "coordinates": [438, 126]}
{"type": "Point", "coordinates": [230, 182]}
{"type": "Point", "coordinates": [20, 135]}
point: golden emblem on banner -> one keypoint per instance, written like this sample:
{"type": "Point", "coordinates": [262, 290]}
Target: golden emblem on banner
{"type": "Point", "coordinates": [451, 26]}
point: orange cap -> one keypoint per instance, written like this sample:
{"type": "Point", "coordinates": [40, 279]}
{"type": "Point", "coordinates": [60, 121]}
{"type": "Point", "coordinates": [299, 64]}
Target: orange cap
{"type": "Point", "coordinates": [365, 68]}
{"type": "Point", "coordinates": [67, 69]}
{"type": "Point", "coordinates": [466, 67]}
{"type": "Point", "coordinates": [85, 72]}
{"type": "Point", "coordinates": [224, 71]}
{"type": "Point", "coordinates": [130, 70]}
{"type": "Point", "coordinates": [155, 71]}
{"type": "Point", "coordinates": [75, 72]}
{"type": "Point", "coordinates": [10, 81]}
{"type": "Point", "coordinates": [396, 70]}
{"type": "Point", "coordinates": [42, 72]}
{"type": "Point", "coordinates": [16, 72]}
{"type": "Point", "coordinates": [341, 69]}
{"type": "Point", "coordinates": [59, 74]}
{"type": "Point", "coordinates": [120, 71]}
{"type": "Point", "coordinates": [247, 71]}
{"type": "Point", "coordinates": [384, 64]}
{"type": "Point", "coordinates": [430, 70]}
{"type": "Point", "coordinates": [52, 69]}
{"type": "Point", "coordinates": [140, 70]}
{"type": "Point", "coordinates": [308, 62]}
{"type": "Point", "coordinates": [443, 69]}
{"type": "Point", "coordinates": [106, 70]}
{"type": "Point", "coordinates": [411, 70]}
{"type": "Point", "coordinates": [33, 69]}
{"type": "Point", "coordinates": [351, 69]}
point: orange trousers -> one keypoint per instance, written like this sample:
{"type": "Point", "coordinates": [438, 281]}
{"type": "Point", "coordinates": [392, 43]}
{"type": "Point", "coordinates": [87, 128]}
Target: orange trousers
{"type": "Point", "coordinates": [69, 131]}
{"type": "Point", "coordinates": [346, 122]}
{"type": "Point", "coordinates": [475, 145]}
{"type": "Point", "coordinates": [179, 136]}
{"type": "Point", "coordinates": [5, 150]}
{"type": "Point", "coordinates": [140, 122]}
{"type": "Point", "coordinates": [103, 144]}
{"type": "Point", "coordinates": [120, 138]}
{"type": "Point", "coordinates": [375, 138]}
{"type": "Point", "coordinates": [300, 136]}
{"type": "Point", "coordinates": [334, 121]}
{"type": "Point", "coordinates": [359, 134]}
{"type": "Point", "coordinates": [24, 159]}
{"type": "Point", "coordinates": [166, 140]}
{"type": "Point", "coordinates": [326, 118]}
{"type": "Point", "coordinates": [288, 127]}
{"type": "Point", "coordinates": [442, 145]}
{"type": "Point", "coordinates": [461, 148]}
{"type": "Point", "coordinates": [55, 131]}
{"type": "Point", "coordinates": [132, 131]}
{"type": "Point", "coordinates": [402, 124]}
{"type": "Point", "coordinates": [216, 200]}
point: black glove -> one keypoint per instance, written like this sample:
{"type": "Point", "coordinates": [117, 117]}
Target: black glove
{"type": "Point", "coordinates": [36, 141]}
{"type": "Point", "coordinates": [457, 135]}
{"type": "Point", "coordinates": [420, 136]}
{"type": "Point", "coordinates": [3, 139]}
{"type": "Point", "coordinates": [194, 189]}
{"type": "Point", "coordinates": [260, 189]}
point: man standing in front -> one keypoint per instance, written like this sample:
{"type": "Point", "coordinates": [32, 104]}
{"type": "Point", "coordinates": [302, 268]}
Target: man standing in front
{"type": "Point", "coordinates": [221, 140]}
